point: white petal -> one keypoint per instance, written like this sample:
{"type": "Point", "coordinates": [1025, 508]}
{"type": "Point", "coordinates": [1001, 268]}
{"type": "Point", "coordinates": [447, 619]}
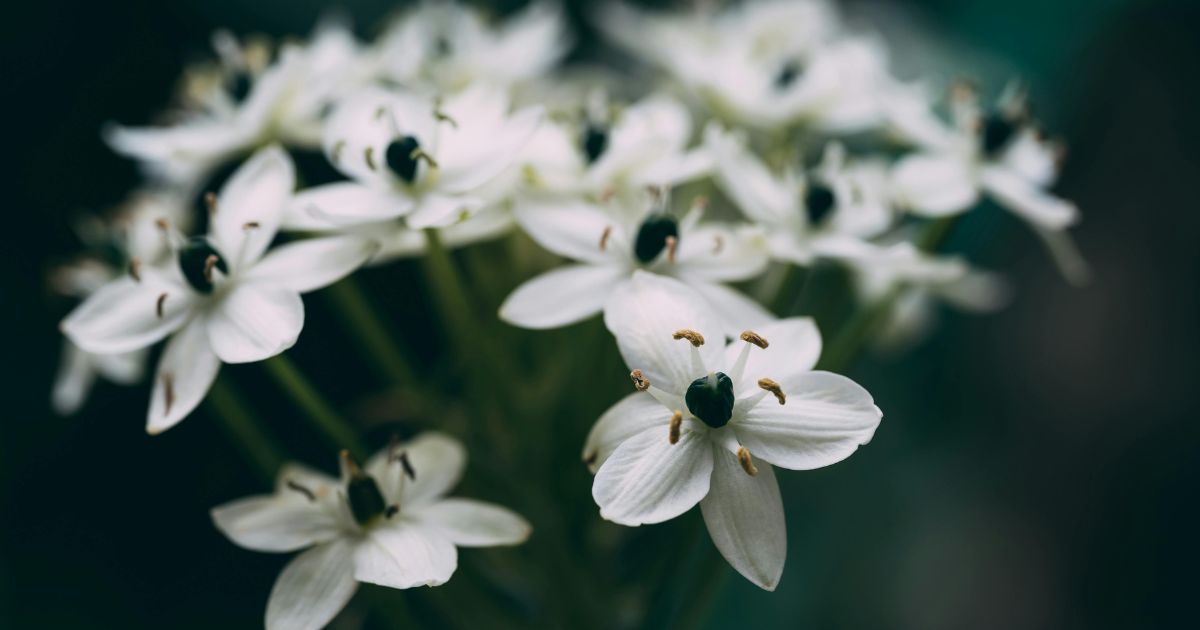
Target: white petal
{"type": "Point", "coordinates": [275, 522]}
{"type": "Point", "coordinates": [793, 347]}
{"type": "Point", "coordinates": [721, 253]}
{"type": "Point", "coordinates": [826, 417]}
{"type": "Point", "coordinates": [255, 321]}
{"type": "Point", "coordinates": [758, 193]}
{"type": "Point", "coordinates": [632, 415]}
{"type": "Point", "coordinates": [185, 373]}
{"type": "Point", "coordinates": [645, 313]}
{"type": "Point", "coordinates": [473, 157]}
{"type": "Point", "coordinates": [1026, 200]}
{"type": "Point", "coordinates": [313, 588]}
{"type": "Point", "coordinates": [344, 203]}
{"type": "Point", "coordinates": [736, 311]}
{"type": "Point", "coordinates": [934, 185]}
{"type": "Point", "coordinates": [649, 480]}
{"type": "Point", "coordinates": [573, 229]}
{"type": "Point", "coordinates": [125, 368]}
{"type": "Point", "coordinates": [470, 523]}
{"type": "Point", "coordinates": [442, 211]}
{"type": "Point", "coordinates": [124, 314]}
{"type": "Point", "coordinates": [437, 461]}
{"type": "Point", "coordinates": [313, 263]}
{"type": "Point", "coordinates": [561, 296]}
{"type": "Point", "coordinates": [403, 555]}
{"type": "Point", "coordinates": [251, 206]}
{"type": "Point", "coordinates": [744, 516]}
{"type": "Point", "coordinates": [73, 381]}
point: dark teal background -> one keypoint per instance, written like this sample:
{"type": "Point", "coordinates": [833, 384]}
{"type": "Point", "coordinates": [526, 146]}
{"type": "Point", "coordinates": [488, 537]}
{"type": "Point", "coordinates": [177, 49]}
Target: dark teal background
{"type": "Point", "coordinates": [1037, 468]}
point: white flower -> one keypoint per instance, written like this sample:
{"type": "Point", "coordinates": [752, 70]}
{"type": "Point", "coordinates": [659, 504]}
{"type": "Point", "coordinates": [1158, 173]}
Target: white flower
{"type": "Point", "coordinates": [245, 103]}
{"type": "Point", "coordinates": [387, 524]}
{"type": "Point", "coordinates": [449, 46]}
{"type": "Point", "coordinates": [616, 151]}
{"type": "Point", "coordinates": [611, 245]}
{"type": "Point", "coordinates": [711, 419]}
{"type": "Point", "coordinates": [829, 214]}
{"type": "Point", "coordinates": [410, 156]}
{"type": "Point", "coordinates": [222, 300]}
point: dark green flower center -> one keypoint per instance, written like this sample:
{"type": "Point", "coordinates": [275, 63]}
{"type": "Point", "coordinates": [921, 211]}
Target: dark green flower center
{"type": "Point", "coordinates": [239, 86]}
{"type": "Point", "coordinates": [998, 131]}
{"type": "Point", "coordinates": [788, 73]}
{"type": "Point", "coordinates": [594, 141]}
{"type": "Point", "coordinates": [366, 501]}
{"type": "Point", "coordinates": [710, 398]}
{"type": "Point", "coordinates": [197, 260]}
{"type": "Point", "coordinates": [819, 202]}
{"type": "Point", "coordinates": [652, 237]}
{"type": "Point", "coordinates": [401, 158]}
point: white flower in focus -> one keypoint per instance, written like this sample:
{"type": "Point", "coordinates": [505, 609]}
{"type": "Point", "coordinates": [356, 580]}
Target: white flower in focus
{"type": "Point", "coordinates": [827, 215]}
{"type": "Point", "coordinates": [247, 101]}
{"type": "Point", "coordinates": [448, 46]}
{"type": "Point", "coordinates": [222, 299]}
{"type": "Point", "coordinates": [612, 245]}
{"type": "Point", "coordinates": [387, 523]}
{"type": "Point", "coordinates": [710, 420]}
{"type": "Point", "coordinates": [410, 156]}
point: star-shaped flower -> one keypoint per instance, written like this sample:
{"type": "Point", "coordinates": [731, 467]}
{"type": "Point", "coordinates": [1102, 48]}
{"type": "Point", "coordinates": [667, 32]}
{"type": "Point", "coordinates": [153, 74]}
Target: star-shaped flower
{"type": "Point", "coordinates": [387, 523]}
{"type": "Point", "coordinates": [222, 300]}
{"type": "Point", "coordinates": [710, 420]}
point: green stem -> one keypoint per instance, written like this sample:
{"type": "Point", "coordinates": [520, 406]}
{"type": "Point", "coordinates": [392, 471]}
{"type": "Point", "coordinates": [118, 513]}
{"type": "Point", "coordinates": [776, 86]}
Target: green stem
{"type": "Point", "coordinates": [244, 430]}
{"type": "Point", "coordinates": [711, 574]}
{"type": "Point", "coordinates": [371, 333]}
{"type": "Point", "coordinates": [794, 283]}
{"type": "Point", "coordinates": [318, 410]}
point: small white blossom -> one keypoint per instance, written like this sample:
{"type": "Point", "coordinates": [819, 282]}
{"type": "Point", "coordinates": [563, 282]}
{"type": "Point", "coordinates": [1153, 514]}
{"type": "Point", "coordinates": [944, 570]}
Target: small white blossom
{"type": "Point", "coordinates": [388, 523]}
{"type": "Point", "coordinates": [711, 419]}
{"type": "Point", "coordinates": [222, 299]}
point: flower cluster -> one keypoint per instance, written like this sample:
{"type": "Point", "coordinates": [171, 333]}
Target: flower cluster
{"type": "Point", "coordinates": [761, 140]}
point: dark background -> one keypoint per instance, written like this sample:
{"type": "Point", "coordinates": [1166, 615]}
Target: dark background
{"type": "Point", "coordinates": [1037, 468]}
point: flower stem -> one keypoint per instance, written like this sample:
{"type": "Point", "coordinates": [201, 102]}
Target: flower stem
{"type": "Point", "coordinates": [318, 410]}
{"type": "Point", "coordinates": [790, 290]}
{"type": "Point", "coordinates": [244, 430]}
{"type": "Point", "coordinates": [371, 333]}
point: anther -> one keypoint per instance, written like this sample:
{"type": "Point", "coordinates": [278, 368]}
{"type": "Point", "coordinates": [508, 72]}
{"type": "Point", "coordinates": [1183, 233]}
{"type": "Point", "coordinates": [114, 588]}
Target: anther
{"type": "Point", "coordinates": [350, 465]}
{"type": "Point", "coordinates": [774, 388]}
{"type": "Point", "coordinates": [604, 237]}
{"type": "Point", "coordinates": [308, 494]}
{"type": "Point", "coordinates": [251, 225]}
{"type": "Point", "coordinates": [168, 381]}
{"type": "Point", "coordinates": [163, 225]}
{"type": "Point", "coordinates": [336, 154]}
{"type": "Point", "coordinates": [718, 244]}
{"type": "Point", "coordinates": [210, 201]}
{"type": "Point", "coordinates": [135, 269]}
{"type": "Point", "coordinates": [210, 263]}
{"type": "Point", "coordinates": [746, 461]}
{"type": "Point", "coordinates": [672, 245]}
{"type": "Point", "coordinates": [420, 154]}
{"type": "Point", "coordinates": [640, 382]}
{"type": "Point", "coordinates": [692, 336]}
{"type": "Point", "coordinates": [407, 466]}
{"type": "Point", "coordinates": [750, 336]}
{"type": "Point", "coordinates": [391, 511]}
{"type": "Point", "coordinates": [158, 306]}
{"type": "Point", "coordinates": [676, 425]}
{"type": "Point", "coordinates": [369, 156]}
{"type": "Point", "coordinates": [442, 117]}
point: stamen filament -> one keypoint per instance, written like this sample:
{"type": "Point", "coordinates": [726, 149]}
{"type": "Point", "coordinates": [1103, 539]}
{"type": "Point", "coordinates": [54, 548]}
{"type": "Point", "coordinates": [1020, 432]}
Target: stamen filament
{"type": "Point", "coordinates": [672, 245]}
{"type": "Point", "coordinates": [158, 306]}
{"type": "Point", "coordinates": [135, 269]}
{"type": "Point", "coordinates": [308, 494]}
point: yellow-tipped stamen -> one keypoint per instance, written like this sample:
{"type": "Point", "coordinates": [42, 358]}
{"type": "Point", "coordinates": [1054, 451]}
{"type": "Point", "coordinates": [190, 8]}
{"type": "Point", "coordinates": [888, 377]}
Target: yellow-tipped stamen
{"type": "Point", "coordinates": [210, 201]}
{"type": "Point", "coordinates": [158, 305]}
{"type": "Point", "coordinates": [749, 336]}
{"type": "Point", "coordinates": [676, 425]}
{"type": "Point", "coordinates": [369, 156]}
{"type": "Point", "coordinates": [135, 269]}
{"type": "Point", "coordinates": [718, 244]}
{"type": "Point", "coordinates": [442, 117]}
{"type": "Point", "coordinates": [168, 381]}
{"type": "Point", "coordinates": [746, 461]}
{"type": "Point", "coordinates": [163, 225]}
{"type": "Point", "coordinates": [420, 154]}
{"type": "Point", "coordinates": [672, 245]}
{"type": "Point", "coordinates": [774, 388]}
{"type": "Point", "coordinates": [693, 337]}
{"type": "Point", "coordinates": [251, 225]}
{"type": "Point", "coordinates": [308, 494]}
{"type": "Point", "coordinates": [336, 154]}
{"type": "Point", "coordinates": [604, 237]}
{"type": "Point", "coordinates": [640, 382]}
{"type": "Point", "coordinates": [210, 263]}
{"type": "Point", "coordinates": [349, 466]}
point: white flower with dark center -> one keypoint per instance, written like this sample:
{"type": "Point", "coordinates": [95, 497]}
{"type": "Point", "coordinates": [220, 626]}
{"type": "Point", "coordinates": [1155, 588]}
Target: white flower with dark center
{"type": "Point", "coordinates": [246, 101]}
{"type": "Point", "coordinates": [387, 523]}
{"type": "Point", "coordinates": [611, 245]}
{"type": "Point", "coordinates": [448, 46]}
{"type": "Point", "coordinates": [829, 214]}
{"type": "Point", "coordinates": [616, 150]}
{"type": "Point", "coordinates": [710, 420]}
{"type": "Point", "coordinates": [410, 156]}
{"type": "Point", "coordinates": [1000, 154]}
{"type": "Point", "coordinates": [222, 300]}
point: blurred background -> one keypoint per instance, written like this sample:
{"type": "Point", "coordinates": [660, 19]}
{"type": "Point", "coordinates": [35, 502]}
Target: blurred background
{"type": "Point", "coordinates": [1037, 468]}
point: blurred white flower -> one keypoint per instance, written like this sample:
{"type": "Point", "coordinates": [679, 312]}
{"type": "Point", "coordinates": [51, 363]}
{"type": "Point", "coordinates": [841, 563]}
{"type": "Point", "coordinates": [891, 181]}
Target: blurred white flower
{"type": "Point", "coordinates": [387, 523]}
{"type": "Point", "coordinates": [223, 300]}
{"type": "Point", "coordinates": [611, 244]}
{"type": "Point", "coordinates": [445, 46]}
{"type": "Point", "coordinates": [829, 214]}
{"type": "Point", "coordinates": [711, 419]}
{"type": "Point", "coordinates": [246, 101]}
